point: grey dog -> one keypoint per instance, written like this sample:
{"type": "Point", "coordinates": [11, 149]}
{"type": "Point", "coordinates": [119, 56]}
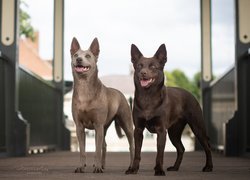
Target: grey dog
{"type": "Point", "coordinates": [94, 106]}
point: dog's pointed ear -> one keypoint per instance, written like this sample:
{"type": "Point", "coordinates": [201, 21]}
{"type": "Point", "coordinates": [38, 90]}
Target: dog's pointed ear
{"type": "Point", "coordinates": [161, 54]}
{"type": "Point", "coordinates": [135, 53]}
{"type": "Point", "coordinates": [74, 46]}
{"type": "Point", "coordinates": [94, 47]}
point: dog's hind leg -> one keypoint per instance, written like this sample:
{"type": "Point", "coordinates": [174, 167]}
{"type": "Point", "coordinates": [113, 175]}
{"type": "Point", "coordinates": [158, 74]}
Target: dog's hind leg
{"type": "Point", "coordinates": [200, 132]}
{"type": "Point", "coordinates": [138, 136]}
{"type": "Point", "coordinates": [125, 121]}
{"type": "Point", "coordinates": [175, 133]}
{"type": "Point", "coordinates": [203, 139]}
{"type": "Point", "coordinates": [80, 132]}
{"type": "Point", "coordinates": [129, 133]}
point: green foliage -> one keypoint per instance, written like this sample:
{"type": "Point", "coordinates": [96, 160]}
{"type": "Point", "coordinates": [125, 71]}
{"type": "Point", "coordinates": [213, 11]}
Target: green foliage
{"type": "Point", "coordinates": [25, 26]}
{"type": "Point", "coordinates": [177, 78]}
{"type": "Point", "coordinates": [197, 84]}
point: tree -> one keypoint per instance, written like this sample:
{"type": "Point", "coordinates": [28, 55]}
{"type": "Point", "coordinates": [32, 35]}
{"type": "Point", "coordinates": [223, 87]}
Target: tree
{"type": "Point", "coordinates": [177, 78]}
{"type": "Point", "coordinates": [170, 79]}
{"type": "Point", "coordinates": [196, 84]}
{"type": "Point", "coordinates": [25, 26]}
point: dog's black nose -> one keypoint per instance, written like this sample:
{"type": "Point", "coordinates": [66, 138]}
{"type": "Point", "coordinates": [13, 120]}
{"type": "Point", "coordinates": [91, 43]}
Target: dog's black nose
{"type": "Point", "coordinates": [143, 72]}
{"type": "Point", "coordinates": [78, 60]}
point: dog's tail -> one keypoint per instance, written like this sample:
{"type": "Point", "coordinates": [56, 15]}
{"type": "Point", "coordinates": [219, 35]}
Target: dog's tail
{"type": "Point", "coordinates": [118, 130]}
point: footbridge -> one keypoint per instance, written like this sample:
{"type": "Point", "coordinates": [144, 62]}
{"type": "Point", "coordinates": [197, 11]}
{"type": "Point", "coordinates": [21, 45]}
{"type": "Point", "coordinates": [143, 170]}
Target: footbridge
{"type": "Point", "coordinates": [31, 108]}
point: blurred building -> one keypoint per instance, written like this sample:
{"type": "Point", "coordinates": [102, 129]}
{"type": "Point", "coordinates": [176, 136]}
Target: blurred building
{"type": "Point", "coordinates": [30, 59]}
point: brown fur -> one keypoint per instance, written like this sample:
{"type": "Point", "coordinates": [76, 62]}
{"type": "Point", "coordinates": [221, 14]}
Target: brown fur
{"type": "Point", "coordinates": [95, 106]}
{"type": "Point", "coordinates": [159, 108]}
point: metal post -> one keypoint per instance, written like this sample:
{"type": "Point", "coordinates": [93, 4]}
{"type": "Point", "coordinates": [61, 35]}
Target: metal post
{"type": "Point", "coordinates": [58, 40]}
{"type": "Point", "coordinates": [16, 128]}
{"type": "Point", "coordinates": [243, 74]}
{"type": "Point", "coordinates": [206, 63]}
{"type": "Point", "coordinates": [58, 73]}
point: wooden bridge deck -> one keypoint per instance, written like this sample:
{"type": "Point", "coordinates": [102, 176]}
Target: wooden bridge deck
{"type": "Point", "coordinates": [61, 165]}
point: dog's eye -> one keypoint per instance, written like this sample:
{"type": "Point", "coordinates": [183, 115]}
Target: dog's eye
{"type": "Point", "coordinates": [87, 56]}
{"type": "Point", "coordinates": [152, 66]}
{"type": "Point", "coordinates": [139, 66]}
{"type": "Point", "coordinates": [76, 55]}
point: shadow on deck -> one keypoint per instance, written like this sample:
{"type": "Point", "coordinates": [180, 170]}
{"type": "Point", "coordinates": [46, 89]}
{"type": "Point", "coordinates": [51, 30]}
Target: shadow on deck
{"type": "Point", "coordinates": [61, 165]}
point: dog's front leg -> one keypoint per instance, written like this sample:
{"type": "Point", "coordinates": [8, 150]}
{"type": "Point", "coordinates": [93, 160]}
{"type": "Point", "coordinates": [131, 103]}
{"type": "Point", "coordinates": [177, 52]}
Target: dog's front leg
{"type": "Point", "coordinates": [99, 137]}
{"type": "Point", "coordinates": [161, 141]}
{"type": "Point", "coordinates": [104, 150]}
{"type": "Point", "coordinates": [80, 132]}
{"type": "Point", "coordinates": [138, 135]}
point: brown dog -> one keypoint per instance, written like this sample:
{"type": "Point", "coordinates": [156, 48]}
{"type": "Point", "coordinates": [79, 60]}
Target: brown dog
{"type": "Point", "coordinates": [159, 108]}
{"type": "Point", "coordinates": [95, 106]}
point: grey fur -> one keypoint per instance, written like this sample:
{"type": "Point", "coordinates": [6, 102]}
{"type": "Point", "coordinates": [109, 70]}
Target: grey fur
{"type": "Point", "coordinates": [94, 106]}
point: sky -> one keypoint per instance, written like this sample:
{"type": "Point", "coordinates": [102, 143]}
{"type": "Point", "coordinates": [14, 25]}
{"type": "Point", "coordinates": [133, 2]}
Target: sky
{"type": "Point", "coordinates": [146, 23]}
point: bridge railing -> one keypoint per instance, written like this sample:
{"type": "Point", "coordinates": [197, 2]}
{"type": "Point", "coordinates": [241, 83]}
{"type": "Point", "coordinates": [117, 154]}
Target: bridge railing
{"type": "Point", "coordinates": [223, 104]}
{"type": "Point", "coordinates": [39, 103]}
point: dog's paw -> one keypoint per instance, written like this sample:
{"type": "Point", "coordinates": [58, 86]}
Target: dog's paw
{"type": "Point", "coordinates": [98, 170]}
{"type": "Point", "coordinates": [207, 169]}
{"type": "Point", "coordinates": [79, 170]}
{"type": "Point", "coordinates": [159, 173]}
{"type": "Point", "coordinates": [172, 168]}
{"type": "Point", "coordinates": [131, 171]}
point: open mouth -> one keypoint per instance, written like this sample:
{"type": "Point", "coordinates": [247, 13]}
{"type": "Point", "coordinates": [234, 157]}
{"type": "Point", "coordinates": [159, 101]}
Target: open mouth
{"type": "Point", "coordinates": [81, 68]}
{"type": "Point", "coordinates": [146, 82]}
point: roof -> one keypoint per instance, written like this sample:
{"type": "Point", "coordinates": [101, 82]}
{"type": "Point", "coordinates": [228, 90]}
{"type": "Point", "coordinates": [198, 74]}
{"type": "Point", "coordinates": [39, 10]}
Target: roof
{"type": "Point", "coordinates": [123, 83]}
{"type": "Point", "coordinates": [30, 59]}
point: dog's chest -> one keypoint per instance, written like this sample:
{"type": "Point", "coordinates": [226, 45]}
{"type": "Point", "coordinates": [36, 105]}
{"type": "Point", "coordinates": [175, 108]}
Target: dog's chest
{"type": "Point", "coordinates": [147, 109]}
{"type": "Point", "coordinates": [88, 117]}
{"type": "Point", "coordinates": [87, 112]}
{"type": "Point", "coordinates": [147, 114]}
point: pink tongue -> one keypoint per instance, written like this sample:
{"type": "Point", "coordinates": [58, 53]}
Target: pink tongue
{"type": "Point", "coordinates": [81, 69]}
{"type": "Point", "coordinates": [144, 83]}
